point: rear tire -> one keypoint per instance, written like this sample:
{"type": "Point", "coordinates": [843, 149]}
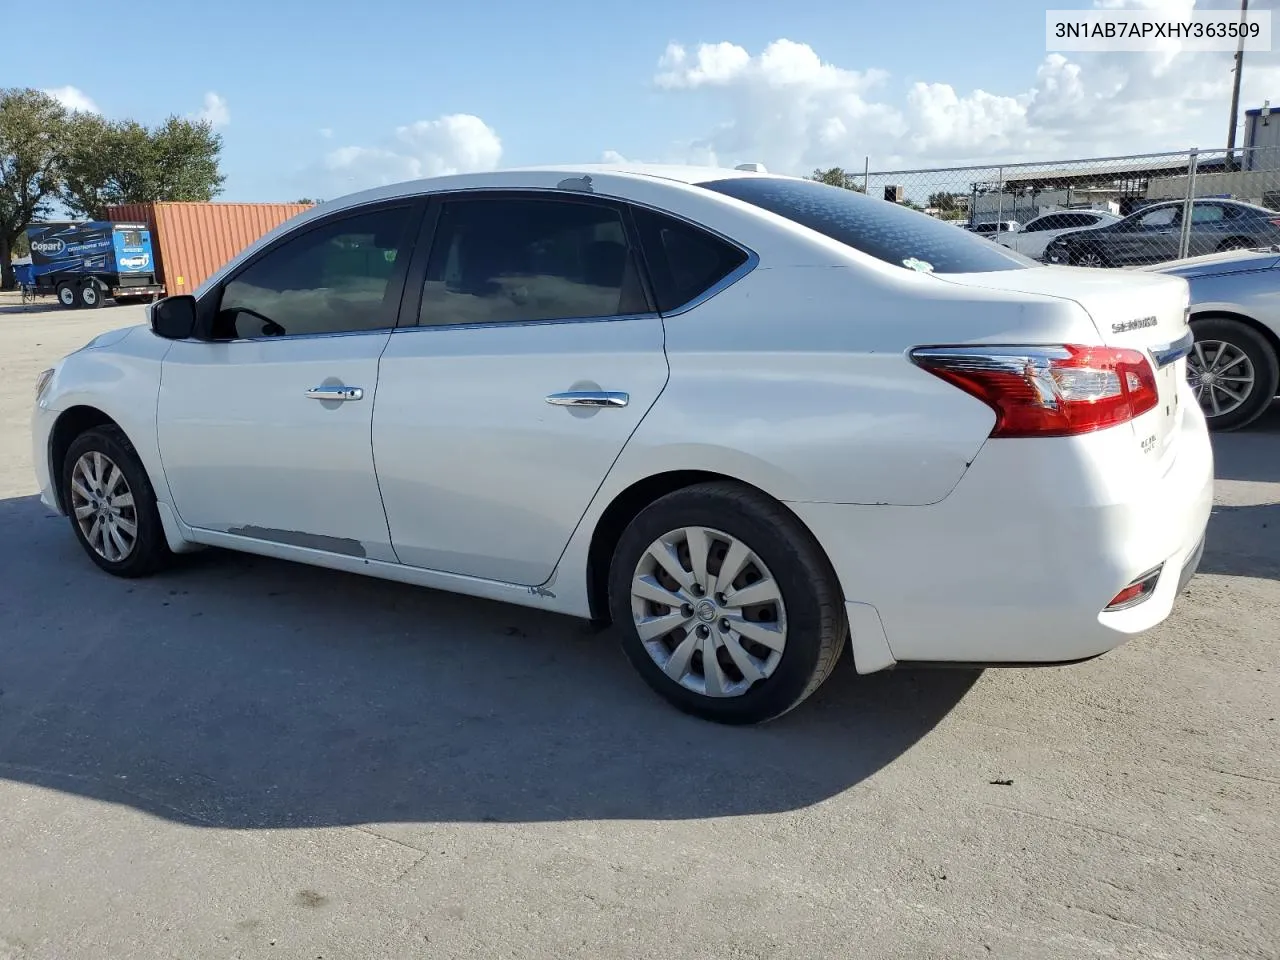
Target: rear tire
{"type": "Point", "coordinates": [90, 295]}
{"type": "Point", "coordinates": [1240, 361]}
{"type": "Point", "coordinates": [785, 650]}
{"type": "Point", "coordinates": [114, 517]}
{"type": "Point", "coordinates": [1235, 243]}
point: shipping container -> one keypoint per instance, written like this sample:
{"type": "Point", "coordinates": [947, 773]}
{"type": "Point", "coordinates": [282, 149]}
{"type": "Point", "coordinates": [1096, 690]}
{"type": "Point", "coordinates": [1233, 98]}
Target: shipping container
{"type": "Point", "coordinates": [192, 240]}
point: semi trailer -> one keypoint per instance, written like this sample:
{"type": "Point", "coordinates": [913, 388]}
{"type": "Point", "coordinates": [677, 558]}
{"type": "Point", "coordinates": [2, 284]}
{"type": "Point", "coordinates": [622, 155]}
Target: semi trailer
{"type": "Point", "coordinates": [85, 263]}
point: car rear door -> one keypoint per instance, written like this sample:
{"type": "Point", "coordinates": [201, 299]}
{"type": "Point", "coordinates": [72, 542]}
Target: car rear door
{"type": "Point", "coordinates": [535, 354]}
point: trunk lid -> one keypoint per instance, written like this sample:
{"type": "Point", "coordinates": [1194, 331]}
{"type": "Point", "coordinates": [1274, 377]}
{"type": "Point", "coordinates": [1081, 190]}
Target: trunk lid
{"type": "Point", "coordinates": [1129, 308]}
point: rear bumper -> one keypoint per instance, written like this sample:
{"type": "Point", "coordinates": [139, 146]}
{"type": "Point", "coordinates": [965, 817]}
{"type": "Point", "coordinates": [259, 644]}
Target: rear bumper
{"type": "Point", "coordinates": [138, 291]}
{"type": "Point", "coordinates": [1018, 563]}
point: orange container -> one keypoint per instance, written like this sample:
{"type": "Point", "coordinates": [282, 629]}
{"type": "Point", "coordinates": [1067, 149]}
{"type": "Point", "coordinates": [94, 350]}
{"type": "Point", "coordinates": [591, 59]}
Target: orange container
{"type": "Point", "coordinates": [192, 240]}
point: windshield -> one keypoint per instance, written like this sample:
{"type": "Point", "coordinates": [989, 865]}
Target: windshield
{"type": "Point", "coordinates": [884, 230]}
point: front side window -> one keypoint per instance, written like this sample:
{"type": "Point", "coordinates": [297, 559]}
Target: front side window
{"type": "Point", "coordinates": [519, 259]}
{"type": "Point", "coordinates": [336, 278]}
{"type": "Point", "coordinates": [1160, 217]}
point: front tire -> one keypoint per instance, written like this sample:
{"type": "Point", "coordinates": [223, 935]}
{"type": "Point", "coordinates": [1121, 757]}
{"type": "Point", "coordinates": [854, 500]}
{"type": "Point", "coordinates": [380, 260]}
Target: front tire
{"type": "Point", "coordinates": [112, 505]}
{"type": "Point", "coordinates": [1089, 257]}
{"type": "Point", "coordinates": [738, 652]}
{"type": "Point", "coordinates": [1233, 372]}
{"type": "Point", "coordinates": [68, 297]}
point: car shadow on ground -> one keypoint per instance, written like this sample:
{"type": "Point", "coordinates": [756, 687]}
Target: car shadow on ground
{"type": "Point", "coordinates": [1244, 538]}
{"type": "Point", "coordinates": [248, 693]}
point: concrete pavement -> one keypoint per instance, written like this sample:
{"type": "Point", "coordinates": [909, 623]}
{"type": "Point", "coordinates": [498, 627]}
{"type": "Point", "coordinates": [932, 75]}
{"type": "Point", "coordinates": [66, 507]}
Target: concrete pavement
{"type": "Point", "coordinates": [246, 758]}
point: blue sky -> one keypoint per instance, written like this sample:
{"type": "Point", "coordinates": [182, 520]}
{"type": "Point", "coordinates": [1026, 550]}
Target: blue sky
{"type": "Point", "coordinates": [309, 96]}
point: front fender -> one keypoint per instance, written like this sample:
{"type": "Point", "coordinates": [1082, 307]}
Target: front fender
{"type": "Point", "coordinates": [117, 374]}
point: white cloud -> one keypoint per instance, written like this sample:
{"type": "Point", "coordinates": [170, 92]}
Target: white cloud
{"type": "Point", "coordinates": [456, 143]}
{"type": "Point", "coordinates": [786, 107]}
{"type": "Point", "coordinates": [215, 110]}
{"type": "Point", "coordinates": [73, 98]}
{"type": "Point", "coordinates": [326, 132]}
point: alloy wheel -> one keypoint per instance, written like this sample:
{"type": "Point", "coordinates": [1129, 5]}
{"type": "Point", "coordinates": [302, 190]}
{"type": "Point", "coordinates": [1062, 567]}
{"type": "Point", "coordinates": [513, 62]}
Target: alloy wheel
{"type": "Point", "coordinates": [708, 611]}
{"type": "Point", "coordinates": [103, 506]}
{"type": "Point", "coordinates": [1222, 376]}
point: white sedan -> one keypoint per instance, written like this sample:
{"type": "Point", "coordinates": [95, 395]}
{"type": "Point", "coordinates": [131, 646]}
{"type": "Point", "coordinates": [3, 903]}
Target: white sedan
{"type": "Point", "coordinates": [750, 420]}
{"type": "Point", "coordinates": [1033, 237]}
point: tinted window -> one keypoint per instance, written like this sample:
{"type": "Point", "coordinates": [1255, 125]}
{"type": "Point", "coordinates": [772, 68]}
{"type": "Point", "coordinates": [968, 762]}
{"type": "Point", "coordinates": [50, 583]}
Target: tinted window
{"type": "Point", "coordinates": [884, 230]}
{"type": "Point", "coordinates": [1207, 213]}
{"type": "Point", "coordinates": [683, 260]}
{"type": "Point", "coordinates": [1082, 220]}
{"type": "Point", "coordinates": [511, 259]}
{"type": "Point", "coordinates": [333, 279]}
{"type": "Point", "coordinates": [1055, 221]}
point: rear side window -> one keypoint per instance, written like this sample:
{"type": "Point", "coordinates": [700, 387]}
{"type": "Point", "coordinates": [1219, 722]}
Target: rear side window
{"type": "Point", "coordinates": [505, 259]}
{"type": "Point", "coordinates": [884, 230]}
{"type": "Point", "coordinates": [684, 261]}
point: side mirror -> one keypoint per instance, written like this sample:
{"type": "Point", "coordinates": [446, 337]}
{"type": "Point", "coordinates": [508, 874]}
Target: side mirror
{"type": "Point", "coordinates": [174, 318]}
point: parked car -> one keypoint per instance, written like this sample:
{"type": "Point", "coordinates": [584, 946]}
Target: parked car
{"type": "Point", "coordinates": [1032, 238]}
{"type": "Point", "coordinates": [1153, 234]}
{"type": "Point", "coordinates": [749, 419]}
{"type": "Point", "coordinates": [993, 229]}
{"type": "Point", "coordinates": [1235, 316]}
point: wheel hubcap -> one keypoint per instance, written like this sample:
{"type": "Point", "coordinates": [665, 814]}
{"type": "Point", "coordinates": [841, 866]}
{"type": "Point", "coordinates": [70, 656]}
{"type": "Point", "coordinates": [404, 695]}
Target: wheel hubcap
{"type": "Point", "coordinates": [708, 611]}
{"type": "Point", "coordinates": [103, 506]}
{"type": "Point", "coordinates": [1090, 260]}
{"type": "Point", "coordinates": [1222, 376]}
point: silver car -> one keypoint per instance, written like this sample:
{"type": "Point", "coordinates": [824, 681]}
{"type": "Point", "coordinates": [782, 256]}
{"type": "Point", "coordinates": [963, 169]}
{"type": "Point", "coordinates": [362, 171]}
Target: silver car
{"type": "Point", "coordinates": [1153, 234]}
{"type": "Point", "coordinates": [1235, 316]}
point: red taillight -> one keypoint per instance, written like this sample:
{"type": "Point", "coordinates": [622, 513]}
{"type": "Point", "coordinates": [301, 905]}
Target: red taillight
{"type": "Point", "coordinates": [1138, 590]}
{"type": "Point", "coordinates": [1048, 391]}
{"type": "Point", "coordinates": [1274, 221]}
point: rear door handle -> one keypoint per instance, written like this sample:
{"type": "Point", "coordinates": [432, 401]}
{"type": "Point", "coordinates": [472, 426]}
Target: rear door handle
{"type": "Point", "coordinates": [589, 398]}
{"type": "Point", "coordinates": [336, 393]}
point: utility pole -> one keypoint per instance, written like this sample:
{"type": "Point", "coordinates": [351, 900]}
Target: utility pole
{"type": "Point", "coordinates": [1235, 88]}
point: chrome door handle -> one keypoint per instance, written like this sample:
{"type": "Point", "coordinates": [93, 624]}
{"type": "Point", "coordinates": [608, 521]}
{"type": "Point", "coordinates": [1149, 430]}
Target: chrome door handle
{"type": "Point", "coordinates": [336, 393]}
{"type": "Point", "coordinates": [589, 398]}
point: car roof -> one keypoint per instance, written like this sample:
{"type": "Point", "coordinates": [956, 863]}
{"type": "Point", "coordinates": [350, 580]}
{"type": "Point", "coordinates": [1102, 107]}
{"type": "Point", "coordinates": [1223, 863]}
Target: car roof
{"type": "Point", "coordinates": [537, 176]}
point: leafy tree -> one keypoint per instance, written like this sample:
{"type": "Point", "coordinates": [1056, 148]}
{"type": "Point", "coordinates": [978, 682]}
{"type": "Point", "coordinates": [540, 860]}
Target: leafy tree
{"type": "Point", "coordinates": [32, 126]}
{"type": "Point", "coordinates": [306, 200]}
{"type": "Point", "coordinates": [121, 161]}
{"type": "Point", "coordinates": [837, 177]}
{"type": "Point", "coordinates": [946, 202]}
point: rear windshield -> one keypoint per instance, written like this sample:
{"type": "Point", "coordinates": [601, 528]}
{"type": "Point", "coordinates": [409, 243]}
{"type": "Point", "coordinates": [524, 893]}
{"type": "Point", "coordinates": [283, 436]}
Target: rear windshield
{"type": "Point", "coordinates": [886, 231]}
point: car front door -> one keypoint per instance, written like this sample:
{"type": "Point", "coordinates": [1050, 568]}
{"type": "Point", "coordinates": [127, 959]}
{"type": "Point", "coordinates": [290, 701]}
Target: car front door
{"type": "Point", "coordinates": [537, 353]}
{"type": "Point", "coordinates": [264, 423]}
{"type": "Point", "coordinates": [1151, 236]}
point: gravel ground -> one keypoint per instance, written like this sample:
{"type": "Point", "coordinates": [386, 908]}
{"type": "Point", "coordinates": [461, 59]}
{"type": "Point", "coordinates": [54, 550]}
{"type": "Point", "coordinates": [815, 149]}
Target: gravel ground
{"type": "Point", "coordinates": [246, 758]}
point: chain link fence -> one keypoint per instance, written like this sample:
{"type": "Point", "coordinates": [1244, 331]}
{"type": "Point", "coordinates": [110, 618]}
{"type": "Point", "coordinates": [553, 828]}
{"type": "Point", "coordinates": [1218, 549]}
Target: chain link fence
{"type": "Point", "coordinates": [1104, 212]}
